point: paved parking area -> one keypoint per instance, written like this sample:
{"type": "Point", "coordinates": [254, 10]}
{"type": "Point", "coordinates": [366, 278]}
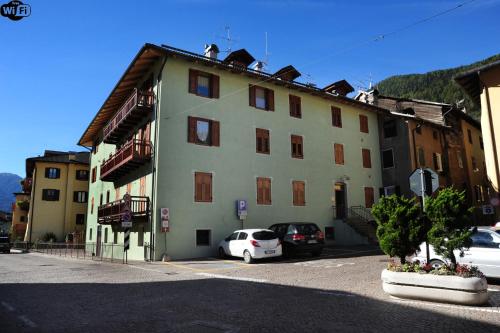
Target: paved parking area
{"type": "Point", "coordinates": [340, 291]}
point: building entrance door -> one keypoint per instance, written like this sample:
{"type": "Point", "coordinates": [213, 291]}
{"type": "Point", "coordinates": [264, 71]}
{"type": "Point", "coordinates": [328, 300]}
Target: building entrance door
{"type": "Point", "coordinates": [340, 201]}
{"type": "Point", "coordinates": [98, 241]}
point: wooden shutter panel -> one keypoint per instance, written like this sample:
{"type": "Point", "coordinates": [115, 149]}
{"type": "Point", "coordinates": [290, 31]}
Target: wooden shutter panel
{"type": "Point", "coordinates": [75, 196]}
{"type": "Point", "coordinates": [207, 180]}
{"type": "Point", "coordinates": [193, 80]}
{"type": "Point", "coordinates": [214, 86]}
{"type": "Point", "coordinates": [47, 172]}
{"type": "Point", "coordinates": [259, 191]}
{"type": "Point", "coordinates": [268, 191]}
{"type": "Point", "coordinates": [56, 195]}
{"type": "Point", "coordinates": [251, 95]}
{"type": "Point", "coordinates": [198, 188]}
{"type": "Point", "coordinates": [363, 123]}
{"type": "Point", "coordinates": [270, 99]}
{"type": "Point", "coordinates": [192, 129]}
{"type": "Point", "coordinates": [369, 197]}
{"type": "Point", "coordinates": [367, 163]}
{"type": "Point", "coordinates": [215, 127]}
{"type": "Point", "coordinates": [339, 153]}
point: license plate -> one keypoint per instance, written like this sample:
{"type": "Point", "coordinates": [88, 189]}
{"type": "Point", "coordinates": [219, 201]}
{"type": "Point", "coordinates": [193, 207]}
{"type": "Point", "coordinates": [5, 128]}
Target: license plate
{"type": "Point", "coordinates": [312, 241]}
{"type": "Point", "coordinates": [269, 252]}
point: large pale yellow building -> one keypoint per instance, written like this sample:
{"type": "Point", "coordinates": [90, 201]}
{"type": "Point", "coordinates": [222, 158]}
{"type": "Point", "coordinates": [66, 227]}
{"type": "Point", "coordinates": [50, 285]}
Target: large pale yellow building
{"type": "Point", "coordinates": [59, 195]}
{"type": "Point", "coordinates": [482, 84]}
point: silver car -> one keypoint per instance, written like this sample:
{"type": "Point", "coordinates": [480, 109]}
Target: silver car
{"type": "Point", "coordinates": [483, 253]}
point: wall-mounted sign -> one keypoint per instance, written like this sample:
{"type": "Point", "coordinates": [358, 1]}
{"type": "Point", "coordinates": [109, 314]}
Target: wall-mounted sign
{"type": "Point", "coordinates": [488, 210]}
{"type": "Point", "coordinates": [241, 209]}
{"type": "Point", "coordinates": [165, 219]}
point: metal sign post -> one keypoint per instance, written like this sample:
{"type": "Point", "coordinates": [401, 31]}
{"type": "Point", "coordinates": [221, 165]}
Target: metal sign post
{"type": "Point", "coordinates": [126, 243]}
{"type": "Point", "coordinates": [424, 182]}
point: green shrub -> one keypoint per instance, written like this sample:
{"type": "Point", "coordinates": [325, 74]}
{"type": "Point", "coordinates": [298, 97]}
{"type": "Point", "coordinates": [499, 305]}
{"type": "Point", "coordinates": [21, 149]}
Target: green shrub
{"type": "Point", "coordinates": [400, 228]}
{"type": "Point", "coordinates": [450, 219]}
{"type": "Point", "coordinates": [49, 237]}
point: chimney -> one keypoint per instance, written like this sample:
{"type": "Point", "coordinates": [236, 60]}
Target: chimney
{"type": "Point", "coordinates": [259, 65]}
{"type": "Point", "coordinates": [211, 51]}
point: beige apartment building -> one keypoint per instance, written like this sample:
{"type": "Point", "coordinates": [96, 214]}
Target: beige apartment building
{"type": "Point", "coordinates": [482, 84]}
{"type": "Point", "coordinates": [58, 195]}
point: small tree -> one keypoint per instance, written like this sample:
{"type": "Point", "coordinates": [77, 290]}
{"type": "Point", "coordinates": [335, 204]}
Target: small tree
{"type": "Point", "coordinates": [400, 228]}
{"type": "Point", "coordinates": [451, 220]}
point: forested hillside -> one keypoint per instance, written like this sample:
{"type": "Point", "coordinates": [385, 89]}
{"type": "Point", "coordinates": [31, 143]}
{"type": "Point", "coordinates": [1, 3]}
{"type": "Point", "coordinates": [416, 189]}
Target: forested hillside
{"type": "Point", "coordinates": [437, 86]}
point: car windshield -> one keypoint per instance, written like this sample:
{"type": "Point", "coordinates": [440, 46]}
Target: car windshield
{"type": "Point", "coordinates": [264, 235]}
{"type": "Point", "coordinates": [306, 229]}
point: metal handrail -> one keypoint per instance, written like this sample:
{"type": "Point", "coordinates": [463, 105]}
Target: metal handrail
{"type": "Point", "coordinates": [113, 211]}
{"type": "Point", "coordinates": [137, 98]}
{"type": "Point", "coordinates": [132, 149]}
{"type": "Point", "coordinates": [361, 212]}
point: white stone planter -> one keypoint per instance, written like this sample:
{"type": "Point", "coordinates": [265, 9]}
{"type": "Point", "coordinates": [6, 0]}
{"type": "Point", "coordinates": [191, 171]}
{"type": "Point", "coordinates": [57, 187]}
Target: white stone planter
{"type": "Point", "coordinates": [439, 288]}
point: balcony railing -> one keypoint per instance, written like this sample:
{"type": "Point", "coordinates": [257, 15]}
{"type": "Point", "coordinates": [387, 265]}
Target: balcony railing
{"type": "Point", "coordinates": [137, 106]}
{"type": "Point", "coordinates": [130, 156]}
{"type": "Point", "coordinates": [113, 212]}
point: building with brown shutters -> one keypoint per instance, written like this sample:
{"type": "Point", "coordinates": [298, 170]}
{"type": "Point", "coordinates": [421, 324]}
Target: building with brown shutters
{"type": "Point", "coordinates": [56, 187]}
{"type": "Point", "coordinates": [194, 134]}
{"type": "Point", "coordinates": [482, 84]}
{"type": "Point", "coordinates": [434, 135]}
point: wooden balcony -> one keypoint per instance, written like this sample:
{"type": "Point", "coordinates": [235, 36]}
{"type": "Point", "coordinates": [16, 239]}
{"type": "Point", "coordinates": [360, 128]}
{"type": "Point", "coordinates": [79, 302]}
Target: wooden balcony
{"type": "Point", "coordinates": [113, 212]}
{"type": "Point", "coordinates": [137, 106]}
{"type": "Point", "coordinates": [130, 156]}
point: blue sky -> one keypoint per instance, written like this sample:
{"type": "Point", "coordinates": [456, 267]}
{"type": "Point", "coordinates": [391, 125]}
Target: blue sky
{"type": "Point", "coordinates": [58, 65]}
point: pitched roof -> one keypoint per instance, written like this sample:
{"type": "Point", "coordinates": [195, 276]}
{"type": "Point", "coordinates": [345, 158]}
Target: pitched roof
{"type": "Point", "coordinates": [151, 53]}
{"type": "Point", "coordinates": [52, 156]}
{"type": "Point", "coordinates": [470, 82]}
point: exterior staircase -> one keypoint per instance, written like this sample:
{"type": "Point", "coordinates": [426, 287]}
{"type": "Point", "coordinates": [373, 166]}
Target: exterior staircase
{"type": "Point", "coordinates": [361, 220]}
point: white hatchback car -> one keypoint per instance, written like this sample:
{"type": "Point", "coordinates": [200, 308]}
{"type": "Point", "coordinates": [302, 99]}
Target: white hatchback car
{"type": "Point", "coordinates": [251, 244]}
{"type": "Point", "coordinates": [483, 253]}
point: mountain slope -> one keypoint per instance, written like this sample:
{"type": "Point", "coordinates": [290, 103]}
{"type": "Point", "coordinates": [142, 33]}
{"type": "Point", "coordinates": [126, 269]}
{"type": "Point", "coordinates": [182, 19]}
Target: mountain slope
{"type": "Point", "coordinates": [9, 183]}
{"type": "Point", "coordinates": [437, 86]}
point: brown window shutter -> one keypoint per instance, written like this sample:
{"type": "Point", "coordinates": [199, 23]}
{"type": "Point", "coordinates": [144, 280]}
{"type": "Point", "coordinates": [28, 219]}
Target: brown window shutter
{"type": "Point", "coordinates": [75, 196]}
{"type": "Point", "coordinates": [193, 80]}
{"type": "Point", "coordinates": [363, 123]}
{"type": "Point", "coordinates": [259, 191]}
{"type": "Point", "coordinates": [214, 86]}
{"type": "Point", "coordinates": [208, 187]}
{"type": "Point", "coordinates": [198, 186]}
{"type": "Point", "coordinates": [291, 105]}
{"type": "Point", "coordinates": [192, 129]}
{"type": "Point", "coordinates": [336, 116]}
{"type": "Point", "coordinates": [251, 95]}
{"type": "Point", "coordinates": [215, 127]}
{"type": "Point", "coordinates": [369, 197]}
{"type": "Point", "coordinates": [270, 99]}
{"type": "Point", "coordinates": [367, 163]}
{"type": "Point", "coordinates": [339, 153]}
{"type": "Point", "coordinates": [298, 107]}
{"type": "Point", "coordinates": [268, 191]}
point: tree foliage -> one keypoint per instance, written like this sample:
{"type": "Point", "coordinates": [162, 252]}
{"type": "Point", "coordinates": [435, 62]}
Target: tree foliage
{"type": "Point", "coordinates": [400, 228]}
{"type": "Point", "coordinates": [450, 219]}
{"type": "Point", "coordinates": [437, 86]}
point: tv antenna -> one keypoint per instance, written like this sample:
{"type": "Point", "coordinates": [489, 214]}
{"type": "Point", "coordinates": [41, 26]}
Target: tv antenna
{"type": "Point", "coordinates": [229, 39]}
{"type": "Point", "coordinates": [309, 80]}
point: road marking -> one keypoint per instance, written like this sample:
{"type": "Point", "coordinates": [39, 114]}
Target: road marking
{"type": "Point", "coordinates": [8, 306]}
{"type": "Point", "coordinates": [449, 306]}
{"type": "Point", "coordinates": [335, 294]}
{"type": "Point", "coordinates": [27, 321]}
{"type": "Point", "coordinates": [146, 269]}
{"type": "Point", "coordinates": [218, 276]}
{"type": "Point", "coordinates": [319, 264]}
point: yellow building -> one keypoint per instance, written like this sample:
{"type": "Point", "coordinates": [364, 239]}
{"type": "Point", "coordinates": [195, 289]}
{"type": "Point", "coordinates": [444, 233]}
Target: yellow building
{"type": "Point", "coordinates": [482, 84]}
{"type": "Point", "coordinates": [20, 215]}
{"type": "Point", "coordinates": [59, 195]}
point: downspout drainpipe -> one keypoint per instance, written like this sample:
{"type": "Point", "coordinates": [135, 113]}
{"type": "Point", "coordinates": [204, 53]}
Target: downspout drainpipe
{"type": "Point", "coordinates": [153, 208]}
{"type": "Point", "coordinates": [32, 202]}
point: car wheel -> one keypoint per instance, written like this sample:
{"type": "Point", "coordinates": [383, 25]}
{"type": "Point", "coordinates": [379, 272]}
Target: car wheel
{"type": "Point", "coordinates": [222, 253]}
{"type": "Point", "coordinates": [316, 253]}
{"type": "Point", "coordinates": [247, 257]}
{"type": "Point", "coordinates": [436, 264]}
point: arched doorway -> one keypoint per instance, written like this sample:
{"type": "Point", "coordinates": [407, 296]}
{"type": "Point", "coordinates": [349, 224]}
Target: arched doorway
{"type": "Point", "coordinates": [340, 197]}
